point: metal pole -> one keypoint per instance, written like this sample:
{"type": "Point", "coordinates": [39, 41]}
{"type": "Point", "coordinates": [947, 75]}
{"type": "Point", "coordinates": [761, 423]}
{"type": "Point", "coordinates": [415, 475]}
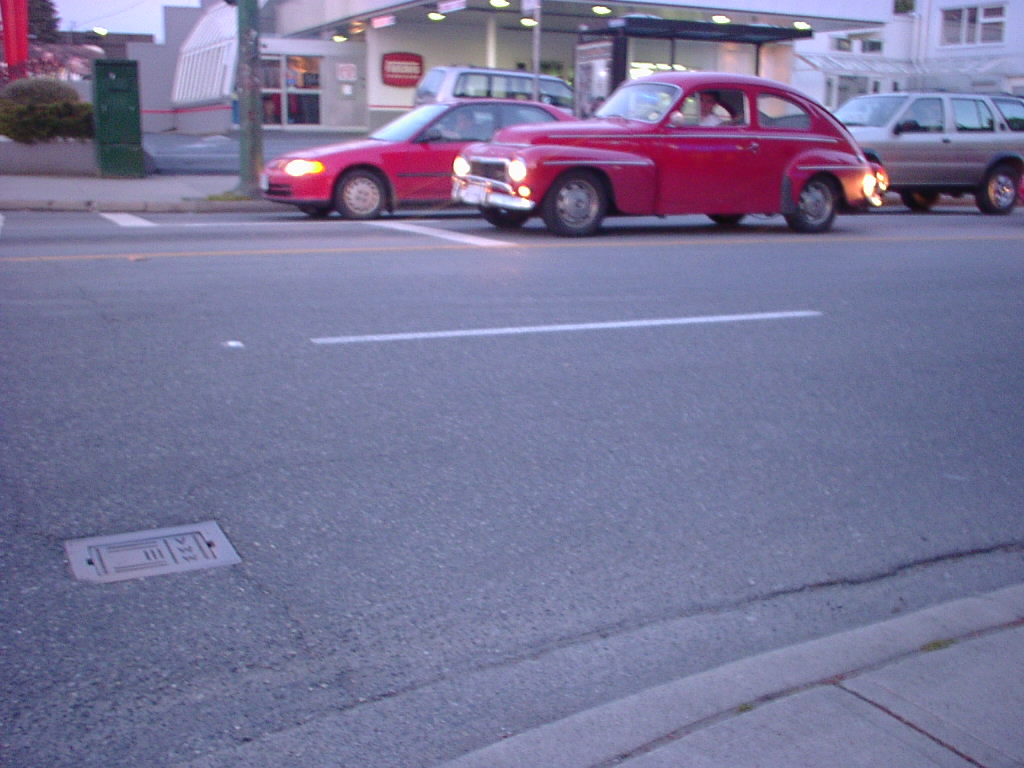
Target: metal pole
{"type": "Point", "coordinates": [536, 52]}
{"type": "Point", "coordinates": [249, 89]}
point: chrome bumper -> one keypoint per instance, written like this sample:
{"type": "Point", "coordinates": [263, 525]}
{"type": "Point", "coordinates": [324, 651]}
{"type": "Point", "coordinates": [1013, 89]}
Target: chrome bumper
{"type": "Point", "coordinates": [487, 193]}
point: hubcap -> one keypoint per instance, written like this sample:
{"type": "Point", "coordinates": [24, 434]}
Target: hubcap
{"type": "Point", "coordinates": [1001, 191]}
{"type": "Point", "coordinates": [577, 203]}
{"type": "Point", "coordinates": [815, 203]}
{"type": "Point", "coordinates": [362, 196]}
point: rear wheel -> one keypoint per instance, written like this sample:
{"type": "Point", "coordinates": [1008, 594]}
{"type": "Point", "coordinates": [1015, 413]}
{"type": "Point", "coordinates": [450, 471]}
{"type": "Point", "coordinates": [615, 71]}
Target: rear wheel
{"type": "Point", "coordinates": [919, 201]}
{"type": "Point", "coordinates": [726, 219]}
{"type": "Point", "coordinates": [360, 194]}
{"type": "Point", "coordinates": [816, 208]}
{"type": "Point", "coordinates": [998, 192]}
{"type": "Point", "coordinates": [575, 205]}
{"type": "Point", "coordinates": [503, 218]}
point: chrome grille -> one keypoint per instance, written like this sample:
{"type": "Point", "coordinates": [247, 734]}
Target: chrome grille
{"type": "Point", "coordinates": [489, 169]}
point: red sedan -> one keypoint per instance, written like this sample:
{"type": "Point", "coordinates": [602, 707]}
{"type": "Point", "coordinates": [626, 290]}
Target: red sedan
{"type": "Point", "coordinates": [674, 143]}
{"type": "Point", "coordinates": [406, 162]}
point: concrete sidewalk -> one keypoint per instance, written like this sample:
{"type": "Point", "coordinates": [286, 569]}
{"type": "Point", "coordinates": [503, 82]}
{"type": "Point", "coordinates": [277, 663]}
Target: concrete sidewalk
{"type": "Point", "coordinates": [151, 194]}
{"type": "Point", "coordinates": [941, 687]}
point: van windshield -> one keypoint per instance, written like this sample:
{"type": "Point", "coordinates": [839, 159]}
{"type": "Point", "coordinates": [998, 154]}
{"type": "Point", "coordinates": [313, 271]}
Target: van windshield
{"type": "Point", "coordinates": [408, 125]}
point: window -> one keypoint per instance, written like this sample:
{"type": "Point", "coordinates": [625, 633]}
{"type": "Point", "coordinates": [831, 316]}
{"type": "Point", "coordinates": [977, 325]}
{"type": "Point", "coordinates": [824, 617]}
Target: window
{"type": "Point", "coordinates": [871, 46]}
{"type": "Point", "coordinates": [973, 25]}
{"type": "Point", "coordinates": [291, 90]}
{"type": "Point", "coordinates": [1013, 112]}
{"type": "Point", "coordinates": [777, 112]}
{"type": "Point", "coordinates": [842, 44]}
{"type": "Point", "coordinates": [923, 116]}
{"type": "Point", "coordinates": [973, 115]}
{"type": "Point", "coordinates": [715, 107]}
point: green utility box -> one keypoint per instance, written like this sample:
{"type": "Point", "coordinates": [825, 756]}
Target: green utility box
{"type": "Point", "coordinates": [117, 117]}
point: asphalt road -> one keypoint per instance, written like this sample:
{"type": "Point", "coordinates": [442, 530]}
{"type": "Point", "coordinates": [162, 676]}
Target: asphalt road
{"type": "Point", "coordinates": [480, 480]}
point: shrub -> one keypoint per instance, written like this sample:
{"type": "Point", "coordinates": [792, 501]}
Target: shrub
{"type": "Point", "coordinates": [43, 109]}
{"type": "Point", "coordinates": [38, 90]}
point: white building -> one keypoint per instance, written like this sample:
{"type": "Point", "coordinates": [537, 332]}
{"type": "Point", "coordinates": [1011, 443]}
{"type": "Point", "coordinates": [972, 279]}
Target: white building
{"type": "Point", "coordinates": [351, 65]}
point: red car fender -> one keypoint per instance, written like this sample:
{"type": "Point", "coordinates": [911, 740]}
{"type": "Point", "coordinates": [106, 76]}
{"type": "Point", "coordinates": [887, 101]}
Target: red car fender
{"type": "Point", "coordinates": [839, 165]}
{"type": "Point", "coordinates": [631, 179]}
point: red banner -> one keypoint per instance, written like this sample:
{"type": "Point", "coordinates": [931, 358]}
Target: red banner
{"type": "Point", "coordinates": [15, 16]}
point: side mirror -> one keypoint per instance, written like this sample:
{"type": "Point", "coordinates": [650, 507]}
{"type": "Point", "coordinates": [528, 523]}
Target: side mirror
{"type": "Point", "coordinates": [433, 133]}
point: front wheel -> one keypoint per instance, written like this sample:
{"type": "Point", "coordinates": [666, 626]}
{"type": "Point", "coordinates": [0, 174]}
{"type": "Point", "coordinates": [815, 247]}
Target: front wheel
{"type": "Point", "coordinates": [503, 218]}
{"type": "Point", "coordinates": [360, 194]}
{"type": "Point", "coordinates": [816, 208]}
{"type": "Point", "coordinates": [998, 192]}
{"type": "Point", "coordinates": [919, 202]}
{"type": "Point", "coordinates": [575, 205]}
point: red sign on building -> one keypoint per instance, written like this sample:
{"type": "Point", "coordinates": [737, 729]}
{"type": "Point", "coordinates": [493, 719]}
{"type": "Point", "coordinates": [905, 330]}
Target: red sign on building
{"type": "Point", "coordinates": [402, 70]}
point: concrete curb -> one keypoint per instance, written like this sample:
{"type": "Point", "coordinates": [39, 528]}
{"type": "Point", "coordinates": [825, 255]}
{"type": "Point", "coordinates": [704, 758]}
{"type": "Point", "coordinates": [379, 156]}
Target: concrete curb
{"type": "Point", "coordinates": [620, 728]}
{"type": "Point", "coordinates": [107, 206]}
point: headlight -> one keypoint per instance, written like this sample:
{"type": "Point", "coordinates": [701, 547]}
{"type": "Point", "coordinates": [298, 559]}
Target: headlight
{"type": "Point", "coordinates": [460, 167]}
{"type": "Point", "coordinates": [303, 167]}
{"type": "Point", "coordinates": [869, 184]}
{"type": "Point", "coordinates": [517, 170]}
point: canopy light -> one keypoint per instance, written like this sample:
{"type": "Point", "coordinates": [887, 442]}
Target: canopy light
{"type": "Point", "coordinates": [526, 21]}
{"type": "Point", "coordinates": [719, 18]}
{"type": "Point", "coordinates": [601, 10]}
{"type": "Point", "coordinates": [436, 16]}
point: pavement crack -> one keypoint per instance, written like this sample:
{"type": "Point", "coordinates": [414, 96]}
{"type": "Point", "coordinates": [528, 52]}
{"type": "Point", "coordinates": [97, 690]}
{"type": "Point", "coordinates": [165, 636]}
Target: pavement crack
{"type": "Point", "coordinates": [912, 726]}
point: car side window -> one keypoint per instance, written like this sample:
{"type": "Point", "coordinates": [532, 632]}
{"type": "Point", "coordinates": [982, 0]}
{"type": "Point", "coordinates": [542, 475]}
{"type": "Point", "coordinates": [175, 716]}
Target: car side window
{"type": "Point", "coordinates": [973, 116]}
{"type": "Point", "coordinates": [777, 112]}
{"type": "Point", "coordinates": [713, 107]}
{"type": "Point", "coordinates": [469, 123]}
{"type": "Point", "coordinates": [922, 116]}
{"type": "Point", "coordinates": [1012, 111]}
{"type": "Point", "coordinates": [514, 114]}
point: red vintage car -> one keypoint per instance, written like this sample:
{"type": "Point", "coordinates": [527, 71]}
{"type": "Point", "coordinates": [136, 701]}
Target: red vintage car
{"type": "Point", "coordinates": [674, 143]}
{"type": "Point", "coordinates": [406, 162]}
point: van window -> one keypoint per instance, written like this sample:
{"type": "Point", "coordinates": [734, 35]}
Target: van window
{"type": "Point", "coordinates": [556, 93]}
{"type": "Point", "coordinates": [429, 85]}
{"type": "Point", "coordinates": [1013, 112]}
{"type": "Point", "coordinates": [973, 115]}
{"type": "Point", "coordinates": [472, 85]}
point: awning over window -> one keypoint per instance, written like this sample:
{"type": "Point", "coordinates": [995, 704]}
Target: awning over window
{"type": "Point", "coordinates": [206, 63]}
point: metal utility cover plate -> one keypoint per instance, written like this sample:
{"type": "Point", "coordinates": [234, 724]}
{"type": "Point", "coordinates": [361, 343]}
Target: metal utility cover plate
{"type": "Point", "coordinates": [150, 553]}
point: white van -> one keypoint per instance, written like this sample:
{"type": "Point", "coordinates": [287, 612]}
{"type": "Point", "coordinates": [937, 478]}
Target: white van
{"type": "Point", "coordinates": [447, 83]}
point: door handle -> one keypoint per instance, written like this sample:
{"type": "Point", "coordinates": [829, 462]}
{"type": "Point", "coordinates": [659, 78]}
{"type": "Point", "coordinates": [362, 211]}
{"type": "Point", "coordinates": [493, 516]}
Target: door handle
{"type": "Point", "coordinates": [754, 146]}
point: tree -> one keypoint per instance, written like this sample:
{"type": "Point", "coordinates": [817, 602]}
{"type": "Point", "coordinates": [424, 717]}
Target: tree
{"type": "Point", "coordinates": [43, 21]}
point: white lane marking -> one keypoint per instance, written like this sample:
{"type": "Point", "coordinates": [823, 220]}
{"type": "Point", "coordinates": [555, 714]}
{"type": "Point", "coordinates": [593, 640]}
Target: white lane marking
{"type": "Point", "coordinates": [525, 329]}
{"type": "Point", "coordinates": [484, 242]}
{"type": "Point", "coordinates": [127, 220]}
{"type": "Point", "coordinates": [1, 223]}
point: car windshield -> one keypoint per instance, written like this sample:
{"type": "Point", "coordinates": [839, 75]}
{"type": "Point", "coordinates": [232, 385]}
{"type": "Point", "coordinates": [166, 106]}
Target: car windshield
{"type": "Point", "coordinates": [641, 101]}
{"type": "Point", "coordinates": [408, 125]}
{"type": "Point", "coordinates": [874, 111]}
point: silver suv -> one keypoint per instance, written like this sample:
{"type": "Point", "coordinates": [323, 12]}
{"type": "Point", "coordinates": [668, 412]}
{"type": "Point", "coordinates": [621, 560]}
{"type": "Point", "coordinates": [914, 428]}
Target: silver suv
{"type": "Point", "coordinates": [934, 143]}
{"type": "Point", "coordinates": [448, 83]}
